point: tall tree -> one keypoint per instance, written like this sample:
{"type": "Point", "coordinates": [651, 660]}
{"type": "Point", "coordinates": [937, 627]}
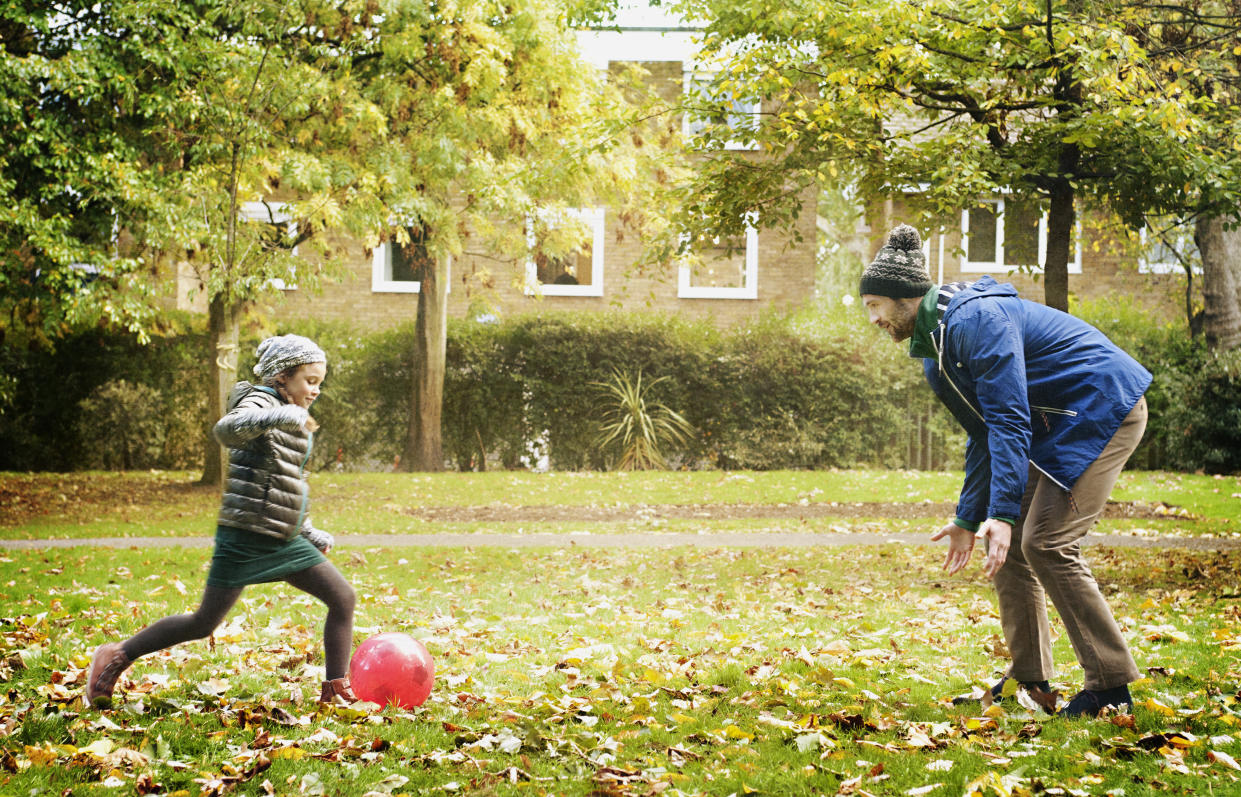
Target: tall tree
{"type": "Point", "coordinates": [1198, 46]}
{"type": "Point", "coordinates": [494, 124]}
{"type": "Point", "coordinates": [161, 127]}
{"type": "Point", "coordinates": [266, 140]}
{"type": "Point", "coordinates": [79, 100]}
{"type": "Point", "coordinates": [1219, 241]}
{"type": "Point", "coordinates": [141, 131]}
{"type": "Point", "coordinates": [949, 102]}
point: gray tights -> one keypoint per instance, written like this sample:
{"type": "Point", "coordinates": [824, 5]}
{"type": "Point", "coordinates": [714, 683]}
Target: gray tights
{"type": "Point", "coordinates": [323, 581]}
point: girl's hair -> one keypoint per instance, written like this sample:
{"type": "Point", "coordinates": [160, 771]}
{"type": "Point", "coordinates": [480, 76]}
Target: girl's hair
{"type": "Point", "coordinates": [281, 378]}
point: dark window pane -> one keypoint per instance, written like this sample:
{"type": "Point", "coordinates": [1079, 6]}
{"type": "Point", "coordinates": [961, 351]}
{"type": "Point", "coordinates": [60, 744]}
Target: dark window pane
{"type": "Point", "coordinates": [980, 247]}
{"type": "Point", "coordinates": [1021, 234]}
{"type": "Point", "coordinates": [407, 259]}
{"type": "Point", "coordinates": [722, 266]}
{"type": "Point", "coordinates": [572, 269]}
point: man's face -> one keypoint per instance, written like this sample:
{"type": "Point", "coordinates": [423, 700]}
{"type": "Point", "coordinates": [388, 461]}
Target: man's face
{"type": "Point", "coordinates": [302, 388]}
{"type": "Point", "coordinates": [894, 316]}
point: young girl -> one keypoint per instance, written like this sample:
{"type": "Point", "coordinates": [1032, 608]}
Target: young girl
{"type": "Point", "coordinates": [264, 533]}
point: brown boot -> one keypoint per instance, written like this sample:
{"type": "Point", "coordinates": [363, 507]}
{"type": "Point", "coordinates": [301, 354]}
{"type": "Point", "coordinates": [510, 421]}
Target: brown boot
{"type": "Point", "coordinates": [338, 691]}
{"type": "Point", "coordinates": [105, 669]}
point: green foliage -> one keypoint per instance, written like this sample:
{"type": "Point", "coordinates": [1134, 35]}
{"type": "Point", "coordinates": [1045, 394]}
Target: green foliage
{"type": "Point", "coordinates": [146, 136]}
{"type": "Point", "coordinates": [484, 399]}
{"type": "Point", "coordinates": [764, 397]}
{"type": "Point", "coordinates": [817, 389]}
{"type": "Point", "coordinates": [1193, 399]}
{"type": "Point", "coordinates": [639, 424]}
{"type": "Point", "coordinates": [1208, 416]}
{"type": "Point", "coordinates": [559, 356]}
{"type": "Point", "coordinates": [952, 101]}
{"type": "Point", "coordinates": [365, 397]}
{"type": "Point", "coordinates": [44, 427]}
{"type": "Point", "coordinates": [121, 427]}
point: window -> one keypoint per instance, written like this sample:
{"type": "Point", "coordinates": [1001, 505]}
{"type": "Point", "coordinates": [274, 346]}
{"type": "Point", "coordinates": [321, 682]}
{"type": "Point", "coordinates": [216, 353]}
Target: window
{"type": "Point", "coordinates": [395, 266]}
{"type": "Point", "coordinates": [1007, 234]}
{"type": "Point", "coordinates": [279, 232]}
{"type": "Point", "coordinates": [1168, 252]}
{"type": "Point", "coordinates": [707, 103]}
{"type": "Point", "coordinates": [722, 268]}
{"type": "Point", "coordinates": [577, 273]}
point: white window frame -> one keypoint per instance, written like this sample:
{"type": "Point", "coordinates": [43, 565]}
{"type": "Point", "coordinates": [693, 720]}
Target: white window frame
{"type": "Point", "coordinates": [689, 128]}
{"type": "Point", "coordinates": [997, 264]}
{"type": "Point", "coordinates": [749, 283]}
{"type": "Point", "coordinates": [594, 218]}
{"type": "Point", "coordinates": [266, 212]}
{"type": "Point", "coordinates": [380, 283]}
{"type": "Point", "coordinates": [1145, 266]}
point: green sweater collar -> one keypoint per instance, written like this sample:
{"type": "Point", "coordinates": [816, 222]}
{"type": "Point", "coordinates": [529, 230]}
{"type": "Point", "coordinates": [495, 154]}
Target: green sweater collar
{"type": "Point", "coordinates": [920, 343]}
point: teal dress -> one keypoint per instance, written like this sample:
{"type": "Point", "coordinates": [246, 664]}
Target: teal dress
{"type": "Point", "coordinates": [243, 557]}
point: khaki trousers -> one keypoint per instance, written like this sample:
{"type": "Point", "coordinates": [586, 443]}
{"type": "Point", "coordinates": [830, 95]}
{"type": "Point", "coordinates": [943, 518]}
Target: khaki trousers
{"type": "Point", "coordinates": [1045, 560]}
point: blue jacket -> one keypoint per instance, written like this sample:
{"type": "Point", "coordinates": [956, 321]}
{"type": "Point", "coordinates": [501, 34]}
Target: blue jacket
{"type": "Point", "coordinates": [1030, 385]}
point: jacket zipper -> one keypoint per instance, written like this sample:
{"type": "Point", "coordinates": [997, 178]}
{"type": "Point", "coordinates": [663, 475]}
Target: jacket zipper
{"type": "Point", "coordinates": [1054, 410]}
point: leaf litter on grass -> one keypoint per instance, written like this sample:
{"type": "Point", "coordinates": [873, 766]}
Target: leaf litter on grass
{"type": "Point", "coordinates": [611, 672]}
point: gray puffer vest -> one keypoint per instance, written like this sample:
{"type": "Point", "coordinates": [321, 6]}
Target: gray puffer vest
{"type": "Point", "coordinates": [266, 490]}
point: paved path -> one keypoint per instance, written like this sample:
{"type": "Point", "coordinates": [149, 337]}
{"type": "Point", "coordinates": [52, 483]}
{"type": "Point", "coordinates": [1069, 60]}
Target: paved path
{"type": "Point", "coordinates": [625, 540]}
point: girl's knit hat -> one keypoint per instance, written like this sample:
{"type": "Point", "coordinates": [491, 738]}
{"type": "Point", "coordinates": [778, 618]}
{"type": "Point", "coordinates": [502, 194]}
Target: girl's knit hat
{"type": "Point", "coordinates": [278, 354]}
{"type": "Point", "coordinates": [899, 269]}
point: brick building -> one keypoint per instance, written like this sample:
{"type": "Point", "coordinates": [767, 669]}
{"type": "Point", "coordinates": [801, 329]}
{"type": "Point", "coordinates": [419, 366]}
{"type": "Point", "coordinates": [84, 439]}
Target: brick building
{"type": "Point", "coordinates": [734, 281]}
{"type": "Point", "coordinates": [1008, 241]}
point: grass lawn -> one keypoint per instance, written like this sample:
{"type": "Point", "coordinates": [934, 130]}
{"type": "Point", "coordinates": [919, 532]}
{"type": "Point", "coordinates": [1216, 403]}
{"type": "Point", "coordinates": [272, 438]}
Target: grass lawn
{"type": "Point", "coordinates": [586, 671]}
{"type": "Point", "coordinates": [169, 504]}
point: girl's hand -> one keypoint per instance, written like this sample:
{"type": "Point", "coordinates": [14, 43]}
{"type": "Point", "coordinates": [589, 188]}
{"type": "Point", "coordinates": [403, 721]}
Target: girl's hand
{"type": "Point", "coordinates": [319, 538]}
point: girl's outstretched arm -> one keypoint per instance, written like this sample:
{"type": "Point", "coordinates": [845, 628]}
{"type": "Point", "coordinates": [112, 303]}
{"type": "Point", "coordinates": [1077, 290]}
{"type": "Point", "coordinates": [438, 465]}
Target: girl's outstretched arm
{"type": "Point", "coordinates": [244, 423]}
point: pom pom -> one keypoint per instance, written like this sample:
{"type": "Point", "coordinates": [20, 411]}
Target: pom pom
{"type": "Point", "coordinates": [905, 238]}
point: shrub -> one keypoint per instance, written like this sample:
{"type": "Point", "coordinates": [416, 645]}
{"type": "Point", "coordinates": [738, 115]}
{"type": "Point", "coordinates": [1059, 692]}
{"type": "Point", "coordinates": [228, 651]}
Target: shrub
{"type": "Point", "coordinates": [1202, 424]}
{"type": "Point", "coordinates": [641, 426]}
{"type": "Point", "coordinates": [1185, 399]}
{"type": "Point", "coordinates": [815, 389]}
{"type": "Point", "coordinates": [40, 426]}
{"type": "Point", "coordinates": [365, 398]}
{"type": "Point", "coordinates": [121, 427]}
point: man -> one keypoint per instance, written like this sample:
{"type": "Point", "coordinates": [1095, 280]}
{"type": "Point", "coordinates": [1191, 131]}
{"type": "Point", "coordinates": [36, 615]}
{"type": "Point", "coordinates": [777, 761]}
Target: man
{"type": "Point", "coordinates": [1052, 409]}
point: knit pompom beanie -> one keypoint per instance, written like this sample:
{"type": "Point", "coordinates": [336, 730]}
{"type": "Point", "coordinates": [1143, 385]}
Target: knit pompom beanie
{"type": "Point", "coordinates": [899, 269]}
{"type": "Point", "coordinates": [278, 354]}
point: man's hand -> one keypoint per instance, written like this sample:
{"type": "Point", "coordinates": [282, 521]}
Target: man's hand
{"type": "Point", "coordinates": [960, 546]}
{"type": "Point", "coordinates": [1001, 534]}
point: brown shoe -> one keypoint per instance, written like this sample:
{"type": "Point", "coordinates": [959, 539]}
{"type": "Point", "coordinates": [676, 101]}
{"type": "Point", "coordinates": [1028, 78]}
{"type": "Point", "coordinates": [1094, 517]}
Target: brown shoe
{"type": "Point", "coordinates": [338, 691]}
{"type": "Point", "coordinates": [105, 669]}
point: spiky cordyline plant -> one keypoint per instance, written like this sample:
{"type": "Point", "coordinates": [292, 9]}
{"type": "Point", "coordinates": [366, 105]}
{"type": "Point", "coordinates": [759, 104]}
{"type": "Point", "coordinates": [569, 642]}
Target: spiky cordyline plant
{"type": "Point", "coordinates": [640, 426]}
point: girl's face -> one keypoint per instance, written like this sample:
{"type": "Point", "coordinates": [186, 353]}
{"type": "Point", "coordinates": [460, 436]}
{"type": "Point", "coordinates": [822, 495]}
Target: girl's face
{"type": "Point", "coordinates": [302, 386]}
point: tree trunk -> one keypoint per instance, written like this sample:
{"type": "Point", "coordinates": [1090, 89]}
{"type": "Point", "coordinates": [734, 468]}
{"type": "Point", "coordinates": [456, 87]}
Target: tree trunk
{"type": "Point", "coordinates": [1061, 218]}
{"type": "Point", "coordinates": [224, 332]}
{"type": "Point", "coordinates": [1221, 282]}
{"type": "Point", "coordinates": [424, 450]}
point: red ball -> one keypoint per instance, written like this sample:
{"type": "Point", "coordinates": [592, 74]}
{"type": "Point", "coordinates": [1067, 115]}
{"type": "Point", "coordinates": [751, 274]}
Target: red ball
{"type": "Point", "coordinates": [392, 668]}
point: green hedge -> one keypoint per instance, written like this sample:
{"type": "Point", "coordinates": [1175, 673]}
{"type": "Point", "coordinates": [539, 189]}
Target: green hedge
{"type": "Point", "coordinates": [102, 400]}
{"type": "Point", "coordinates": [817, 390]}
{"type": "Point", "coordinates": [1195, 399]}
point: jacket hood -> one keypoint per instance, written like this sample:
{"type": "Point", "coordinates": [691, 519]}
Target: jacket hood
{"type": "Point", "coordinates": [243, 389]}
{"type": "Point", "coordinates": [986, 286]}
